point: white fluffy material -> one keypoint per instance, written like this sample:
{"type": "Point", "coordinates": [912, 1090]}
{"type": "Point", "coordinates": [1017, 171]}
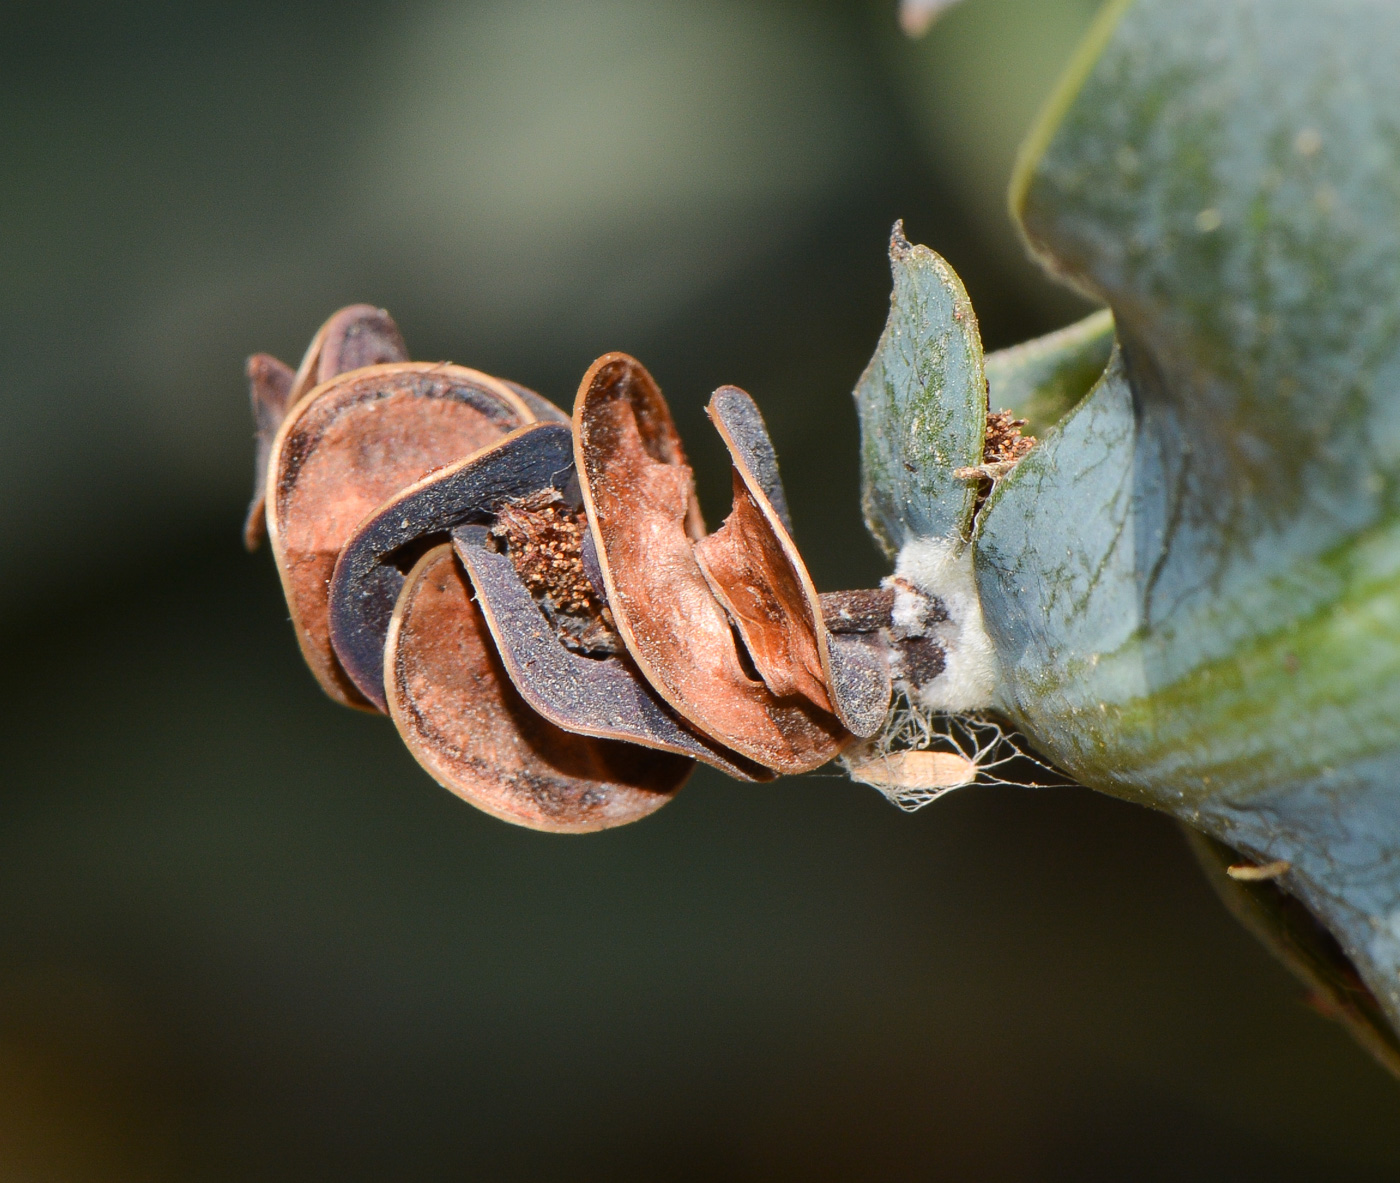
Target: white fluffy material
{"type": "Point", "coordinates": [941, 568]}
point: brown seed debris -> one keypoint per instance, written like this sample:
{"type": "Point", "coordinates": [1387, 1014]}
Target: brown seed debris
{"type": "Point", "coordinates": [1003, 449]}
{"type": "Point", "coordinates": [601, 694]}
{"type": "Point", "coordinates": [1004, 439]}
{"type": "Point", "coordinates": [544, 539]}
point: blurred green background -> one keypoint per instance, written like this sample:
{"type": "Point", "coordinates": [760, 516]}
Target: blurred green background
{"type": "Point", "coordinates": [242, 936]}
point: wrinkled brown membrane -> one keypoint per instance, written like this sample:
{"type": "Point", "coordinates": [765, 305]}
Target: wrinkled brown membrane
{"type": "Point", "coordinates": [757, 572]}
{"type": "Point", "coordinates": [642, 510]}
{"type": "Point", "coordinates": [463, 721]}
{"type": "Point", "coordinates": [269, 388]}
{"type": "Point", "coordinates": [763, 594]}
{"type": "Point", "coordinates": [351, 444]}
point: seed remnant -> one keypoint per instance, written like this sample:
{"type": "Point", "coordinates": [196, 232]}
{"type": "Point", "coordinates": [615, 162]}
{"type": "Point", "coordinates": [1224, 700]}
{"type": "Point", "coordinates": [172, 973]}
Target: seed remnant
{"type": "Point", "coordinates": [1249, 873]}
{"type": "Point", "coordinates": [544, 539]}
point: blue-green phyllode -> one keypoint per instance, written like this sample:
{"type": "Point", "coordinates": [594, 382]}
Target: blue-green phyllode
{"type": "Point", "coordinates": [1188, 594]}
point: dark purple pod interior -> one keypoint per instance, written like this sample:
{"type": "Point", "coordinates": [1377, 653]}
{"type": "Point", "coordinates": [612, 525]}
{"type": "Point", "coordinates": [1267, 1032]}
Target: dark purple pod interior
{"type": "Point", "coordinates": [370, 571]}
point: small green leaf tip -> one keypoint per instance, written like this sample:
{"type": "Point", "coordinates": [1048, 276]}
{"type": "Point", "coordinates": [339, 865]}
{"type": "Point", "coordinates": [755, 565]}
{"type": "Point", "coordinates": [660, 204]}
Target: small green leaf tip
{"type": "Point", "coordinates": [922, 403]}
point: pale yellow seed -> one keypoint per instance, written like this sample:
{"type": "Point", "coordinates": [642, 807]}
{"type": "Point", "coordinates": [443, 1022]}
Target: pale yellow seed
{"type": "Point", "coordinates": [1249, 873]}
{"type": "Point", "coordinates": [916, 770]}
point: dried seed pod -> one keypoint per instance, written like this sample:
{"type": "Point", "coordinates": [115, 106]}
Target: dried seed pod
{"type": "Point", "coordinates": [857, 640]}
{"type": "Point", "coordinates": [740, 424]}
{"type": "Point", "coordinates": [357, 336]}
{"type": "Point", "coordinates": [757, 573]}
{"type": "Point", "coordinates": [347, 447]}
{"type": "Point", "coordinates": [370, 571]}
{"type": "Point", "coordinates": [642, 510]}
{"type": "Point", "coordinates": [859, 678]}
{"type": "Point", "coordinates": [752, 563]}
{"type": "Point", "coordinates": [601, 695]}
{"type": "Point", "coordinates": [464, 722]}
{"type": "Point", "coordinates": [269, 389]}
{"type": "Point", "coordinates": [360, 335]}
{"type": "Point", "coordinates": [545, 411]}
{"type": "Point", "coordinates": [854, 662]}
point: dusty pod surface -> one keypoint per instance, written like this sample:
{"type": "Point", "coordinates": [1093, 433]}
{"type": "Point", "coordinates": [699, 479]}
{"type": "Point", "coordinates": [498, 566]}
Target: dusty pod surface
{"type": "Point", "coordinates": [347, 447]}
{"type": "Point", "coordinates": [589, 693]}
{"type": "Point", "coordinates": [857, 657]}
{"type": "Point", "coordinates": [642, 510]}
{"type": "Point", "coordinates": [374, 560]}
{"type": "Point", "coordinates": [460, 715]}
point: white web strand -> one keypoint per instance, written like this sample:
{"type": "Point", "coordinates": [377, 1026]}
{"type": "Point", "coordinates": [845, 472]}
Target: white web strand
{"type": "Point", "coordinates": [920, 755]}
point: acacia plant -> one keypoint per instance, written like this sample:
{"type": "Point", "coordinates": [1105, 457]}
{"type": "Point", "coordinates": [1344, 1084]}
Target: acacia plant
{"type": "Point", "coordinates": [1185, 594]}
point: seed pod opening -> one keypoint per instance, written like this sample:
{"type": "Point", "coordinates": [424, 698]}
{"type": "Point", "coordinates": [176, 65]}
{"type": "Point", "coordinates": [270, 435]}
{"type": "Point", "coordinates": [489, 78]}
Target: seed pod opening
{"type": "Point", "coordinates": [599, 694]}
{"type": "Point", "coordinates": [371, 567]}
{"type": "Point", "coordinates": [642, 510]}
{"type": "Point", "coordinates": [757, 572]}
{"type": "Point", "coordinates": [461, 717]}
{"type": "Point", "coordinates": [347, 447]}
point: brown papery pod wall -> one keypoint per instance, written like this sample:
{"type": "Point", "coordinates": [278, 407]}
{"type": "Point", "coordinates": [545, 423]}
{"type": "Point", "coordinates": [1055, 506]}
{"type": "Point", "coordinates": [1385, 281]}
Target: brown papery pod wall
{"type": "Point", "coordinates": [640, 498]}
{"type": "Point", "coordinates": [756, 572]}
{"type": "Point", "coordinates": [459, 714]}
{"type": "Point", "coordinates": [360, 335]}
{"type": "Point", "coordinates": [348, 446]}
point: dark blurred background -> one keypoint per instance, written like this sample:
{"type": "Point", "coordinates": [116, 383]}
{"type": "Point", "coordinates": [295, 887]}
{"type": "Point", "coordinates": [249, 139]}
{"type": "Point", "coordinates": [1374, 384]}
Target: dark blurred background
{"type": "Point", "coordinates": [243, 936]}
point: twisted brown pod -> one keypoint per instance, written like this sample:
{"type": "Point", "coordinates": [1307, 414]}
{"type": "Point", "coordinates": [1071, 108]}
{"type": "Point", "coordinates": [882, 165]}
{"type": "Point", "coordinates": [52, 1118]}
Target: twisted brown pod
{"type": "Point", "coordinates": [640, 499]}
